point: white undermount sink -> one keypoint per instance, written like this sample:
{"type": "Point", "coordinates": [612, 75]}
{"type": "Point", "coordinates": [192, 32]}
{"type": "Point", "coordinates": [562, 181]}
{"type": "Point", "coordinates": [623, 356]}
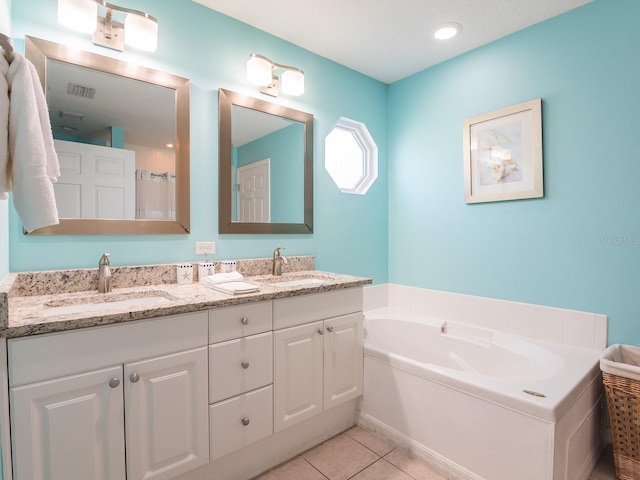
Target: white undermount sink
{"type": "Point", "coordinates": [296, 280]}
{"type": "Point", "coordinates": [299, 282]}
{"type": "Point", "coordinates": [105, 302]}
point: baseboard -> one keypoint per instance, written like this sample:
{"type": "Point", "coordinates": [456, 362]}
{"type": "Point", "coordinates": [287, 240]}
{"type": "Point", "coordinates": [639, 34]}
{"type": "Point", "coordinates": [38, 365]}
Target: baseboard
{"type": "Point", "coordinates": [450, 470]}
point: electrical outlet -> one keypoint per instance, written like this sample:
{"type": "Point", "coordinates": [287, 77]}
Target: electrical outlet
{"type": "Point", "coordinates": [203, 248]}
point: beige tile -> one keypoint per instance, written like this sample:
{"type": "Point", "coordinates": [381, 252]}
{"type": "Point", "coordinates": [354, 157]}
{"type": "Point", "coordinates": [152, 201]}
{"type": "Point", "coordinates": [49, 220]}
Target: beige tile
{"type": "Point", "coordinates": [296, 469]}
{"type": "Point", "coordinates": [412, 466]}
{"type": "Point", "coordinates": [340, 458]}
{"type": "Point", "coordinates": [370, 440]}
{"type": "Point", "coordinates": [381, 470]}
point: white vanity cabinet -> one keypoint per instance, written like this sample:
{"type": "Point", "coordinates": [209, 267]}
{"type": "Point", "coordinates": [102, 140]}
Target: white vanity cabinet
{"type": "Point", "coordinates": [154, 399]}
{"type": "Point", "coordinates": [240, 376]}
{"type": "Point", "coordinates": [80, 398]}
{"type": "Point", "coordinates": [318, 354]}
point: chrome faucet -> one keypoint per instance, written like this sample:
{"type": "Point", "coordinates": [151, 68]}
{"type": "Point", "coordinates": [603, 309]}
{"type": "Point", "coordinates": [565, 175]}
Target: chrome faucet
{"type": "Point", "coordinates": [104, 274]}
{"type": "Point", "coordinates": [279, 261]}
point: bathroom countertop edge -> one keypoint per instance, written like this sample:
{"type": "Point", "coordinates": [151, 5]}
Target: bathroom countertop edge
{"type": "Point", "coordinates": [22, 316]}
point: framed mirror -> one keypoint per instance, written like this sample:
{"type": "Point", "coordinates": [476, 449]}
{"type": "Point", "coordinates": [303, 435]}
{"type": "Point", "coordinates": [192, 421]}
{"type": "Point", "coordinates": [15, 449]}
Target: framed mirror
{"type": "Point", "coordinates": [121, 132]}
{"type": "Point", "coordinates": [266, 166]}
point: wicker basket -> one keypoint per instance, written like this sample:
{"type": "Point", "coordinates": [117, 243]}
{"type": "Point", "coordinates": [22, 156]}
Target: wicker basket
{"type": "Point", "coordinates": [621, 377]}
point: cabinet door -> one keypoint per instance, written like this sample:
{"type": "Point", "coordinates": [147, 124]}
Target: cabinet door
{"type": "Point", "coordinates": [70, 428]}
{"type": "Point", "coordinates": [343, 359]}
{"type": "Point", "coordinates": [166, 402]}
{"type": "Point", "coordinates": [297, 374]}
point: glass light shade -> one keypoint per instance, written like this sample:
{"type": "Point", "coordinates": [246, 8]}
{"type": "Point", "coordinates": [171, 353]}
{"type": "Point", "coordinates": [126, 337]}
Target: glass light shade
{"type": "Point", "coordinates": [293, 82]}
{"type": "Point", "coordinates": [259, 70]}
{"type": "Point", "coordinates": [79, 15]}
{"type": "Point", "coordinates": [141, 32]}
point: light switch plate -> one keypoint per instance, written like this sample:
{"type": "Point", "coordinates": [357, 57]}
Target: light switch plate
{"type": "Point", "coordinates": [203, 248]}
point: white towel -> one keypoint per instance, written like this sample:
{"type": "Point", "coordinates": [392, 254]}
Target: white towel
{"type": "Point", "coordinates": [4, 128]}
{"type": "Point", "coordinates": [235, 288]}
{"type": "Point", "coordinates": [33, 161]}
{"type": "Point", "coordinates": [222, 278]}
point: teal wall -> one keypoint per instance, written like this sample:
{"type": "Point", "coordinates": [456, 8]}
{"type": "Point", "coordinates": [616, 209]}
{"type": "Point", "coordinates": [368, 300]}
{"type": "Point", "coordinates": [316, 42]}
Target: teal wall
{"type": "Point", "coordinates": [211, 50]}
{"type": "Point", "coordinates": [579, 246]}
{"type": "Point", "coordinates": [285, 149]}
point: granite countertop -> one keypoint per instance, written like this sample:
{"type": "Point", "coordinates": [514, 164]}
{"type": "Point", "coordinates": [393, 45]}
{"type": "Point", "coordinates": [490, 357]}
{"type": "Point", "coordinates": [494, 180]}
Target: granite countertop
{"type": "Point", "coordinates": [27, 305]}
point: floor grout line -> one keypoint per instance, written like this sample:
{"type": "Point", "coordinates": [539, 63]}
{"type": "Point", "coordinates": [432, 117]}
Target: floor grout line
{"type": "Point", "coordinates": [314, 467]}
{"type": "Point", "coordinates": [362, 470]}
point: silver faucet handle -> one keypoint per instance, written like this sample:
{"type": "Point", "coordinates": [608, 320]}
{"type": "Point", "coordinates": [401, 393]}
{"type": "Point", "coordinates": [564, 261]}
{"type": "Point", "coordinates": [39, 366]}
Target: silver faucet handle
{"type": "Point", "coordinates": [104, 274]}
{"type": "Point", "coordinates": [276, 252]}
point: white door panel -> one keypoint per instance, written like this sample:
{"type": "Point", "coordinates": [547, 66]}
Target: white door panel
{"type": "Point", "coordinates": [95, 181]}
{"type": "Point", "coordinates": [254, 192]}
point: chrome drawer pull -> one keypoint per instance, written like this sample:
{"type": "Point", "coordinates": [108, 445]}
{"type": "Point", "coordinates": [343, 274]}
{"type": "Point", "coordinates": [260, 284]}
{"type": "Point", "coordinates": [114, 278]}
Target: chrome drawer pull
{"type": "Point", "coordinates": [114, 382]}
{"type": "Point", "coordinates": [245, 421]}
{"type": "Point", "coordinates": [134, 377]}
{"type": "Point", "coordinates": [244, 320]}
{"type": "Point", "coordinates": [245, 365]}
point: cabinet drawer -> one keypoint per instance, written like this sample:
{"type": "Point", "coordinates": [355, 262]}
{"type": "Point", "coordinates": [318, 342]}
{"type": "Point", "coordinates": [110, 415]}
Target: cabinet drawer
{"type": "Point", "coordinates": [227, 421]}
{"type": "Point", "coordinates": [239, 321]}
{"type": "Point", "coordinates": [32, 359]}
{"type": "Point", "coordinates": [292, 311]}
{"type": "Point", "coordinates": [240, 365]}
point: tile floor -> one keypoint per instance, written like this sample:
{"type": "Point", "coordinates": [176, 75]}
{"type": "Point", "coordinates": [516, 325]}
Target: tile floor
{"type": "Point", "coordinates": [605, 469]}
{"type": "Point", "coordinates": [358, 454]}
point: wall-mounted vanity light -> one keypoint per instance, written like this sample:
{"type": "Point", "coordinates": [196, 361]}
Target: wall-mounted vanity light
{"type": "Point", "coordinates": [139, 30]}
{"type": "Point", "coordinates": [264, 72]}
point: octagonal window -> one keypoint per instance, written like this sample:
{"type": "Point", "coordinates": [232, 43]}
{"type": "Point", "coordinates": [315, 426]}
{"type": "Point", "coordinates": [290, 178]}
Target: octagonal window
{"type": "Point", "coordinates": [351, 156]}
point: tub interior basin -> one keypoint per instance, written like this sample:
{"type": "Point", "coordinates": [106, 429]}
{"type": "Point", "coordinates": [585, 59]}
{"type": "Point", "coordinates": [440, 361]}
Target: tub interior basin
{"type": "Point", "coordinates": [287, 280]}
{"type": "Point", "coordinates": [109, 301]}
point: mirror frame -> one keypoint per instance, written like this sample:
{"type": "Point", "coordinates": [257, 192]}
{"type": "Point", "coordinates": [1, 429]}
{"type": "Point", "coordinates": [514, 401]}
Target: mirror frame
{"type": "Point", "coordinates": [226, 100]}
{"type": "Point", "coordinates": [38, 51]}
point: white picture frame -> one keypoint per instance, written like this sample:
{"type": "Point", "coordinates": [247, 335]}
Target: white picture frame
{"type": "Point", "coordinates": [503, 154]}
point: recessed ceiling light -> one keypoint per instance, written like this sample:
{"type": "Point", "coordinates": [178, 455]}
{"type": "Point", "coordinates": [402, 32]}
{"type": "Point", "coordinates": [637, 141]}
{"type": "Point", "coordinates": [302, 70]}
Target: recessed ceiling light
{"type": "Point", "coordinates": [168, 145]}
{"type": "Point", "coordinates": [445, 31]}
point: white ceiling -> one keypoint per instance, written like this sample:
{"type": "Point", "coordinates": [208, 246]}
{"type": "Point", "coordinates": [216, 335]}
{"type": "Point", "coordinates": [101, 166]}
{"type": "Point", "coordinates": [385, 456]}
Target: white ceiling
{"type": "Point", "coordinates": [384, 39]}
{"type": "Point", "coordinates": [146, 112]}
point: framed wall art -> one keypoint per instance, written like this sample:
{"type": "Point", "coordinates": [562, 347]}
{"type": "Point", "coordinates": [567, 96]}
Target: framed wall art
{"type": "Point", "coordinates": [503, 154]}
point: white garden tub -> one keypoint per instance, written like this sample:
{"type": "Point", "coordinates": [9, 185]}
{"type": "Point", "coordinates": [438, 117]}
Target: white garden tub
{"type": "Point", "coordinates": [481, 404]}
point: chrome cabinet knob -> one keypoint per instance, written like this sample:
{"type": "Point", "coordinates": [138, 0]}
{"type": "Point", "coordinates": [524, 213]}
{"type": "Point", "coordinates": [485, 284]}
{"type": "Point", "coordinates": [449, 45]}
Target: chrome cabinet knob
{"type": "Point", "coordinates": [321, 331]}
{"type": "Point", "coordinates": [245, 365]}
{"type": "Point", "coordinates": [134, 377]}
{"type": "Point", "coordinates": [330, 329]}
{"type": "Point", "coordinates": [244, 320]}
{"type": "Point", "coordinates": [245, 421]}
{"type": "Point", "coordinates": [114, 382]}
